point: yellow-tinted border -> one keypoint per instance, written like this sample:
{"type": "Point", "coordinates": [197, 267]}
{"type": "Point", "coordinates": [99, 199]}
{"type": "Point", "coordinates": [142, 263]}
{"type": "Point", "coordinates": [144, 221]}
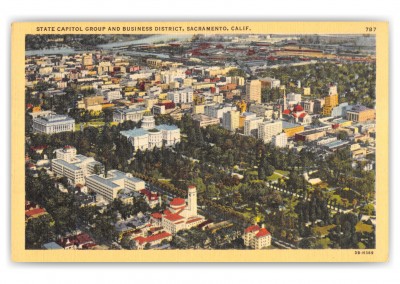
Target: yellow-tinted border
{"type": "Point", "coordinates": [380, 254]}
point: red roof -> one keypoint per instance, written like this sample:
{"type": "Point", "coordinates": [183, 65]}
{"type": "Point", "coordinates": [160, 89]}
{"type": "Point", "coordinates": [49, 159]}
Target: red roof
{"type": "Point", "coordinates": [252, 229]}
{"type": "Point", "coordinates": [191, 186]}
{"type": "Point", "coordinates": [83, 238]}
{"type": "Point", "coordinates": [156, 215]}
{"type": "Point", "coordinates": [40, 147]}
{"type": "Point", "coordinates": [173, 217]}
{"type": "Point", "coordinates": [153, 238]}
{"type": "Point", "coordinates": [298, 108]}
{"type": "Point", "coordinates": [262, 233]}
{"type": "Point", "coordinates": [302, 115]}
{"type": "Point", "coordinates": [177, 202]}
{"type": "Point", "coordinates": [35, 211]}
{"type": "Point", "coordinates": [286, 111]}
{"type": "Point", "coordinates": [193, 220]}
{"type": "Point", "coordinates": [150, 195]}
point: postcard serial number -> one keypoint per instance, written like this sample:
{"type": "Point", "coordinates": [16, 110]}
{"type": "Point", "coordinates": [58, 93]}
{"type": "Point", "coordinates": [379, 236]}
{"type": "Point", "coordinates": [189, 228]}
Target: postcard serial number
{"type": "Point", "coordinates": [364, 252]}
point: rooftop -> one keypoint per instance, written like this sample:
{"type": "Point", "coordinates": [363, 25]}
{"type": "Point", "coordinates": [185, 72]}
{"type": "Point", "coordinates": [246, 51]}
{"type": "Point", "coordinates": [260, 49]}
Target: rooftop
{"type": "Point", "coordinates": [136, 132]}
{"type": "Point", "coordinates": [166, 127]}
{"type": "Point", "coordinates": [131, 110]}
{"type": "Point", "coordinates": [66, 164]}
{"type": "Point", "coordinates": [54, 118]}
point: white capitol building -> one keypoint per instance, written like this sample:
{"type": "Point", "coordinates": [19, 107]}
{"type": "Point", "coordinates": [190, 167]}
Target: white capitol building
{"type": "Point", "coordinates": [150, 135]}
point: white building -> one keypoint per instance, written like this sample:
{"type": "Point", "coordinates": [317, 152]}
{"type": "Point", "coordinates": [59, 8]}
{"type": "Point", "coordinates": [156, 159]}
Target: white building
{"type": "Point", "coordinates": [53, 124]}
{"type": "Point", "coordinates": [142, 139]}
{"type": "Point", "coordinates": [182, 96]}
{"type": "Point", "coordinates": [230, 120]}
{"type": "Point", "coordinates": [148, 121]}
{"type": "Point", "coordinates": [111, 95]}
{"type": "Point", "coordinates": [116, 181]}
{"type": "Point", "coordinates": [171, 134]}
{"type": "Point", "coordinates": [173, 75]}
{"type": "Point", "coordinates": [262, 110]}
{"type": "Point", "coordinates": [218, 110]}
{"type": "Point", "coordinates": [133, 114]}
{"type": "Point", "coordinates": [74, 166]}
{"type": "Point", "coordinates": [181, 215]}
{"type": "Point", "coordinates": [267, 129]}
{"type": "Point", "coordinates": [238, 80]}
{"type": "Point", "coordinates": [280, 140]}
{"type": "Point", "coordinates": [293, 98]}
{"type": "Point", "coordinates": [251, 126]}
{"type": "Point", "coordinates": [256, 237]}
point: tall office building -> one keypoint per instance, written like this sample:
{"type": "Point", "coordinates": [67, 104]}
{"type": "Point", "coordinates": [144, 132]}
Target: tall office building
{"type": "Point", "coordinates": [269, 128]}
{"type": "Point", "coordinates": [253, 91]}
{"type": "Point", "coordinates": [230, 120]}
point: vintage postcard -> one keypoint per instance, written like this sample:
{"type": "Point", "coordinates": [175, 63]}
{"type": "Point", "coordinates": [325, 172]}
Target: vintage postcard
{"type": "Point", "coordinates": [200, 142]}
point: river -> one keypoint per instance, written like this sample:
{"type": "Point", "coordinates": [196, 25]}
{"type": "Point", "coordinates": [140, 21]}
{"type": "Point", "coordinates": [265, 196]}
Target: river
{"type": "Point", "coordinates": [151, 39]}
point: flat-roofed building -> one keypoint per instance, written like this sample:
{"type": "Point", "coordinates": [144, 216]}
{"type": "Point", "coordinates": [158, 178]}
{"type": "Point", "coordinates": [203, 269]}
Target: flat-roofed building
{"type": "Point", "coordinates": [267, 129]}
{"type": "Point", "coordinates": [279, 140]}
{"type": "Point", "coordinates": [132, 114]}
{"type": "Point", "coordinates": [181, 96]}
{"type": "Point", "coordinates": [359, 113]}
{"type": "Point", "coordinates": [74, 166]}
{"type": "Point", "coordinates": [142, 139]}
{"type": "Point", "coordinates": [230, 120]}
{"type": "Point", "coordinates": [202, 120]}
{"type": "Point", "coordinates": [270, 83]}
{"type": "Point", "coordinates": [290, 129]}
{"type": "Point", "coordinates": [115, 181]}
{"type": "Point", "coordinates": [253, 91]}
{"type": "Point", "coordinates": [310, 135]}
{"type": "Point", "coordinates": [251, 126]}
{"type": "Point", "coordinates": [53, 124]}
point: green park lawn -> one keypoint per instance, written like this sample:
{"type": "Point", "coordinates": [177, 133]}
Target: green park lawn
{"type": "Point", "coordinates": [273, 177]}
{"type": "Point", "coordinates": [361, 228]}
{"type": "Point", "coordinates": [323, 231]}
{"type": "Point", "coordinates": [93, 124]}
{"type": "Point", "coordinates": [285, 173]}
{"type": "Point", "coordinates": [323, 243]}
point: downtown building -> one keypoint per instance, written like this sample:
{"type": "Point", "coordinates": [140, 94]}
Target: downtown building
{"type": "Point", "coordinates": [132, 114]}
{"type": "Point", "coordinates": [113, 183]}
{"type": "Point", "coordinates": [269, 128]}
{"type": "Point", "coordinates": [74, 166]}
{"type": "Point", "coordinates": [53, 124]}
{"type": "Point", "coordinates": [253, 91]}
{"type": "Point", "coordinates": [150, 135]}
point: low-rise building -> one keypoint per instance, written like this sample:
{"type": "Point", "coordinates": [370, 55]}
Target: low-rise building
{"type": "Point", "coordinates": [310, 135]}
{"type": "Point", "coordinates": [109, 186]}
{"type": "Point", "coordinates": [152, 240]}
{"type": "Point", "coordinates": [53, 124]}
{"type": "Point", "coordinates": [142, 139]}
{"type": "Point", "coordinates": [256, 237]}
{"type": "Point", "coordinates": [132, 114]}
{"type": "Point", "coordinates": [74, 166]}
{"type": "Point", "coordinates": [181, 215]}
{"type": "Point", "coordinates": [202, 120]}
{"type": "Point", "coordinates": [291, 128]}
{"type": "Point", "coordinates": [359, 113]}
